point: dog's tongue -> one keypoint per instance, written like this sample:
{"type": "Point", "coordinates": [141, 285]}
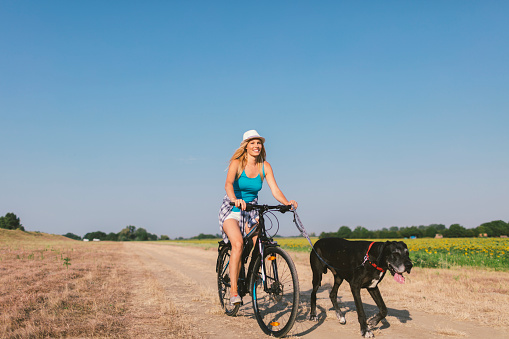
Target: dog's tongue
{"type": "Point", "coordinates": [399, 278]}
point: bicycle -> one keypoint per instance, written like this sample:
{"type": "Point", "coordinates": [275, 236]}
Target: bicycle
{"type": "Point", "coordinates": [272, 282]}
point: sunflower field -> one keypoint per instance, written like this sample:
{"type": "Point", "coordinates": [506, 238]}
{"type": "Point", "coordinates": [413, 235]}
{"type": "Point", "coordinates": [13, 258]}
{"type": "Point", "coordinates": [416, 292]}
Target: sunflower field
{"type": "Point", "coordinates": [444, 253]}
{"type": "Point", "coordinates": [492, 253]}
{"type": "Point", "coordinates": [440, 253]}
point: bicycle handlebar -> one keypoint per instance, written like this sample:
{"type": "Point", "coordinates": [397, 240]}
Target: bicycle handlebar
{"type": "Point", "coordinates": [264, 208]}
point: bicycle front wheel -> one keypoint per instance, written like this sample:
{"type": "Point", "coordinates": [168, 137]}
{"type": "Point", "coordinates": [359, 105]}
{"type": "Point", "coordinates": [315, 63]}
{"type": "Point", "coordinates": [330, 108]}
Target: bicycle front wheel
{"type": "Point", "coordinates": [224, 282]}
{"type": "Point", "coordinates": [276, 302]}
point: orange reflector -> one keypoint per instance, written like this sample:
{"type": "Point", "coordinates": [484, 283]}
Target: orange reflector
{"type": "Point", "coordinates": [272, 257]}
{"type": "Point", "coordinates": [274, 324]}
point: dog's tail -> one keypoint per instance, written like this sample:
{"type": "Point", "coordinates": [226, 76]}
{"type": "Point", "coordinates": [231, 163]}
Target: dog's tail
{"type": "Point", "coordinates": [317, 261]}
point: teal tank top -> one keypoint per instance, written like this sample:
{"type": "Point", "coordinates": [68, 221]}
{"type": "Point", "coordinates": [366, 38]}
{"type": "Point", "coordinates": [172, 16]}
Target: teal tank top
{"type": "Point", "coordinates": [247, 188]}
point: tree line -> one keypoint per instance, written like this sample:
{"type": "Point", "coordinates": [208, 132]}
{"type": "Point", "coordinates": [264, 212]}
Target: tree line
{"type": "Point", "coordinates": [130, 233]}
{"type": "Point", "coordinates": [494, 228]}
{"type": "Point", "coordinates": [11, 222]}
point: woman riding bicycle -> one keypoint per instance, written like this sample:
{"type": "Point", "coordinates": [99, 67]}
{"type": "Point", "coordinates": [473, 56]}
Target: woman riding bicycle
{"type": "Point", "coordinates": [244, 180]}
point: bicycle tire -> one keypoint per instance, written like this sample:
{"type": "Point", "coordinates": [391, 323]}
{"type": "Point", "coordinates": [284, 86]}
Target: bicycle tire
{"type": "Point", "coordinates": [223, 282]}
{"type": "Point", "coordinates": [275, 309]}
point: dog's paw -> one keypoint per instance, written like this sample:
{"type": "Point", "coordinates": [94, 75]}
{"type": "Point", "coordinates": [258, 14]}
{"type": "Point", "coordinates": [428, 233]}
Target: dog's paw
{"type": "Point", "coordinates": [372, 322]}
{"type": "Point", "coordinates": [313, 318]}
{"type": "Point", "coordinates": [368, 334]}
{"type": "Point", "coordinates": [341, 318]}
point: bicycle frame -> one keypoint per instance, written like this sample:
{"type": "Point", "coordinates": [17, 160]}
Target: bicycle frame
{"type": "Point", "coordinates": [263, 241]}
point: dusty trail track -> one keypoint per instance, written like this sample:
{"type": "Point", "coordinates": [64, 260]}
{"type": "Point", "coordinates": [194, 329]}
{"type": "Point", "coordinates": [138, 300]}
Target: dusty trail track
{"type": "Point", "coordinates": [185, 277]}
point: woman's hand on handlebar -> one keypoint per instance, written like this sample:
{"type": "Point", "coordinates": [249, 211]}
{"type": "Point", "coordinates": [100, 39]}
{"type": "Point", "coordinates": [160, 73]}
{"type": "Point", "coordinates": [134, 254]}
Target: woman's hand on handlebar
{"type": "Point", "coordinates": [293, 203]}
{"type": "Point", "coordinates": [239, 203]}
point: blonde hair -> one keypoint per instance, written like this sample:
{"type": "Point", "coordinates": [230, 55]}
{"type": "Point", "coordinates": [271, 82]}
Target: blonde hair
{"type": "Point", "coordinates": [241, 155]}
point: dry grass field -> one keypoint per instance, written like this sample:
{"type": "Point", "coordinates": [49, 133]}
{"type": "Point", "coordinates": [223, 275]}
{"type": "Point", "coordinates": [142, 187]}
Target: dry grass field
{"type": "Point", "coordinates": [460, 294]}
{"type": "Point", "coordinates": [51, 286]}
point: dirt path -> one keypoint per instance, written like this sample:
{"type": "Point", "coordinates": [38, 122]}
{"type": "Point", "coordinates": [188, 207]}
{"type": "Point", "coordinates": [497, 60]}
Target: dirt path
{"type": "Point", "coordinates": [185, 276]}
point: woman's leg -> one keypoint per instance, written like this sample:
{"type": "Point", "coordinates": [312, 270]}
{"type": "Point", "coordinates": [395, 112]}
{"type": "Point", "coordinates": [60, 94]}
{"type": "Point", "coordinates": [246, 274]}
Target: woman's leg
{"type": "Point", "coordinates": [255, 236]}
{"type": "Point", "coordinates": [255, 251]}
{"type": "Point", "coordinates": [232, 230]}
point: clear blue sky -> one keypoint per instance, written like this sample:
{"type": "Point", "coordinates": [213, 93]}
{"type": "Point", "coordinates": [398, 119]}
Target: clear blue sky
{"type": "Point", "coordinates": [378, 114]}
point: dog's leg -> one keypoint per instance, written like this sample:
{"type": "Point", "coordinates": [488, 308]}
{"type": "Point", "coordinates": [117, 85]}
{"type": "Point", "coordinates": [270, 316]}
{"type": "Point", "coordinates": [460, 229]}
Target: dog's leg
{"type": "Point", "coordinates": [317, 279]}
{"type": "Point", "coordinates": [356, 291]}
{"type": "Point", "coordinates": [377, 297]}
{"type": "Point", "coordinates": [334, 298]}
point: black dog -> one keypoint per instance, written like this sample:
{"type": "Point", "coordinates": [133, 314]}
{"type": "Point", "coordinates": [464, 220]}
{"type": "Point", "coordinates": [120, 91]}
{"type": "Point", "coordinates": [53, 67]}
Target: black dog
{"type": "Point", "coordinates": [363, 264]}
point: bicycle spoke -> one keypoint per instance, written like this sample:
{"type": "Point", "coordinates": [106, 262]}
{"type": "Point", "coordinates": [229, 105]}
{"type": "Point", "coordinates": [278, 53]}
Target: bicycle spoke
{"type": "Point", "coordinates": [224, 282]}
{"type": "Point", "coordinates": [276, 306]}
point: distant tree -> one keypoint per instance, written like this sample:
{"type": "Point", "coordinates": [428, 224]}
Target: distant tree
{"type": "Point", "coordinates": [376, 234]}
{"type": "Point", "coordinates": [439, 227]}
{"type": "Point", "coordinates": [384, 233]}
{"type": "Point", "coordinates": [344, 232]}
{"type": "Point", "coordinates": [165, 237]}
{"type": "Point", "coordinates": [141, 234]}
{"type": "Point", "coordinates": [430, 231]}
{"type": "Point", "coordinates": [470, 233]}
{"type": "Point", "coordinates": [11, 222]}
{"type": "Point", "coordinates": [95, 235]}
{"type": "Point", "coordinates": [455, 231]}
{"type": "Point", "coordinates": [360, 233]}
{"type": "Point", "coordinates": [379, 234]}
{"type": "Point", "coordinates": [127, 234]}
{"type": "Point", "coordinates": [72, 236]}
{"type": "Point", "coordinates": [480, 230]}
{"type": "Point", "coordinates": [112, 236]}
{"type": "Point", "coordinates": [412, 231]}
{"type": "Point", "coordinates": [327, 235]}
{"type": "Point", "coordinates": [496, 228]}
{"type": "Point", "coordinates": [204, 236]}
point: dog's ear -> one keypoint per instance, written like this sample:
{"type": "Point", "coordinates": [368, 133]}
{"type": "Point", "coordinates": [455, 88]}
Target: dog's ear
{"type": "Point", "coordinates": [404, 244]}
{"type": "Point", "coordinates": [389, 243]}
{"type": "Point", "coordinates": [388, 247]}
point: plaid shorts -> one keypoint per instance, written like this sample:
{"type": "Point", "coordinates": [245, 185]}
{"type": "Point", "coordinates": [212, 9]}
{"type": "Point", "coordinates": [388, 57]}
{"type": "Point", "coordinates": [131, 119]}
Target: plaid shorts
{"type": "Point", "coordinates": [248, 218]}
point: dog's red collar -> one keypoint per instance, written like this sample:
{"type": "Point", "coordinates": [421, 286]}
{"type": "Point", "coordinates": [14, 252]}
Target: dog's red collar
{"type": "Point", "coordinates": [366, 259]}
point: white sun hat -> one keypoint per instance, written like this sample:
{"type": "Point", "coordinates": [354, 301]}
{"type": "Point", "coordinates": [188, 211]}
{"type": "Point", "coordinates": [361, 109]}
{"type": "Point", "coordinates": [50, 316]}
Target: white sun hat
{"type": "Point", "coordinates": [252, 134]}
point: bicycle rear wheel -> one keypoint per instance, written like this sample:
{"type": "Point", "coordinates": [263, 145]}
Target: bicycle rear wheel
{"type": "Point", "coordinates": [223, 282]}
{"type": "Point", "coordinates": [276, 306]}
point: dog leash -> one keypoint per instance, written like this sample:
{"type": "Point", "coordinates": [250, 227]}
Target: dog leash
{"type": "Point", "coordinates": [303, 232]}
